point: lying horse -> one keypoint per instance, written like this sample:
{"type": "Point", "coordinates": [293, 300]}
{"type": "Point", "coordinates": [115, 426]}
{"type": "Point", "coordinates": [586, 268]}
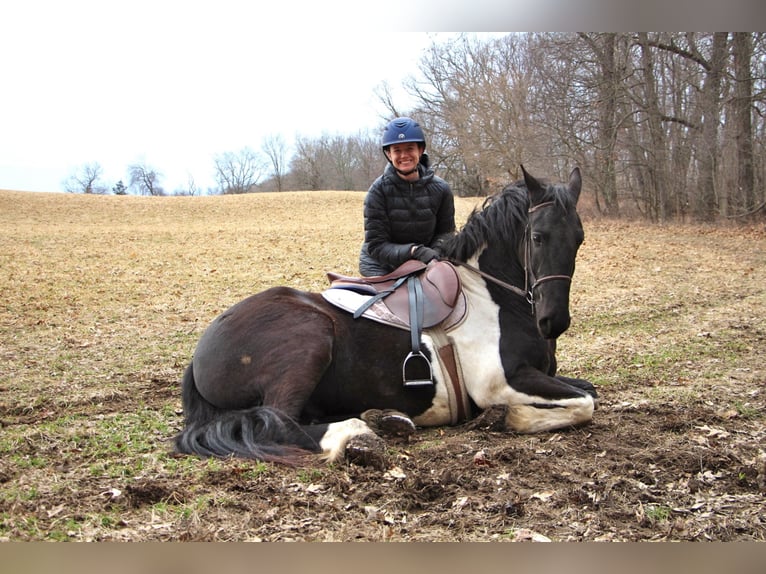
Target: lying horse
{"type": "Point", "coordinates": [285, 372]}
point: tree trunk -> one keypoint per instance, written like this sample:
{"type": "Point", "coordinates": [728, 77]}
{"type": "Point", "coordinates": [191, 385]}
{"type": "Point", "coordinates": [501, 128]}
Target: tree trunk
{"type": "Point", "coordinates": [605, 51]}
{"type": "Point", "coordinates": [656, 155]}
{"type": "Point", "coordinates": [743, 102]}
{"type": "Point", "coordinates": [711, 117]}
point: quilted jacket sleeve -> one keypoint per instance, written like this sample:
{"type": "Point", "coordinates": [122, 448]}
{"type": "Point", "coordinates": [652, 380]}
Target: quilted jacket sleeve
{"type": "Point", "coordinates": [377, 225]}
{"type": "Point", "coordinates": [445, 216]}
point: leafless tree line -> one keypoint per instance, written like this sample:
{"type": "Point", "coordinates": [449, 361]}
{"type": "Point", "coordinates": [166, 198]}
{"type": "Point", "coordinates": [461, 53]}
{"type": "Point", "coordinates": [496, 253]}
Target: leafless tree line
{"type": "Point", "coordinates": [670, 126]}
{"type": "Point", "coordinates": [142, 178]}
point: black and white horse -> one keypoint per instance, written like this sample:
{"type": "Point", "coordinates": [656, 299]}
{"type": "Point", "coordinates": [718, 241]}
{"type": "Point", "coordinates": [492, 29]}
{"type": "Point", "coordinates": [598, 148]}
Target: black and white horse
{"type": "Point", "coordinates": [284, 372]}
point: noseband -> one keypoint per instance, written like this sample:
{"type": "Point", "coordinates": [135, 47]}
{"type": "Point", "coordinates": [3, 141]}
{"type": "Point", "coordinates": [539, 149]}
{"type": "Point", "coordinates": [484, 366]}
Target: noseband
{"type": "Point", "coordinates": [528, 292]}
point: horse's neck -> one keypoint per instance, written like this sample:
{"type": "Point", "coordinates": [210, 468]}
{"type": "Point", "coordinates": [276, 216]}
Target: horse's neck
{"type": "Point", "coordinates": [506, 267]}
{"type": "Point", "coordinates": [481, 281]}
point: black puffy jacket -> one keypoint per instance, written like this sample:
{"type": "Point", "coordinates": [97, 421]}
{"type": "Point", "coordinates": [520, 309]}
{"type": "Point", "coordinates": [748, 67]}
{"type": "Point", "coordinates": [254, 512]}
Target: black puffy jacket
{"type": "Point", "coordinates": [399, 214]}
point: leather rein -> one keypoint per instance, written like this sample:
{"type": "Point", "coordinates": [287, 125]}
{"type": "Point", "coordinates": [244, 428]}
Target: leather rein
{"type": "Point", "coordinates": [528, 292]}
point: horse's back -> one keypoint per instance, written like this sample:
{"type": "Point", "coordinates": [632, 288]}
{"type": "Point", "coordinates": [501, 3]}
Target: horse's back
{"type": "Point", "coordinates": [246, 352]}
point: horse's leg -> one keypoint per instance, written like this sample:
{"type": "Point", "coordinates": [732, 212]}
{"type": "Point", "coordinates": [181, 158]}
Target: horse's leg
{"type": "Point", "coordinates": [388, 422]}
{"type": "Point", "coordinates": [541, 403]}
{"type": "Point", "coordinates": [351, 439]}
{"type": "Point", "coordinates": [586, 386]}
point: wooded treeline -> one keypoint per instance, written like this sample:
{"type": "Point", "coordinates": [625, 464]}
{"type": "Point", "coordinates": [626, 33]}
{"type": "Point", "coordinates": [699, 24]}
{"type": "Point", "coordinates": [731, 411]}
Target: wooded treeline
{"type": "Point", "coordinates": [666, 126]}
{"type": "Point", "coordinates": [670, 125]}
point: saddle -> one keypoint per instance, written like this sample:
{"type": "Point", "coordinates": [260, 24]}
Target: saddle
{"type": "Point", "coordinates": [439, 281]}
{"type": "Point", "coordinates": [417, 295]}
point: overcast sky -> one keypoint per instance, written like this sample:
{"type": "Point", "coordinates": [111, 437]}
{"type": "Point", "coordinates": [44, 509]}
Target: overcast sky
{"type": "Point", "coordinates": [172, 83]}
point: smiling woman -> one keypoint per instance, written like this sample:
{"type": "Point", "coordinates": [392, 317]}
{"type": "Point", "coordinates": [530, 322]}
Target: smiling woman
{"type": "Point", "coordinates": [409, 211]}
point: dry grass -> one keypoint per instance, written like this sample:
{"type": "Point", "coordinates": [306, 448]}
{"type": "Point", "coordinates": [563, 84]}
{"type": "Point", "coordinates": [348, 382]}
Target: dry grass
{"type": "Point", "coordinates": [104, 299]}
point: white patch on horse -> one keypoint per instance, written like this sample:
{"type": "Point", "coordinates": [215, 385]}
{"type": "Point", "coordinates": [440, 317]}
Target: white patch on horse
{"type": "Point", "coordinates": [528, 418]}
{"type": "Point", "coordinates": [477, 341]}
{"type": "Point", "coordinates": [338, 434]}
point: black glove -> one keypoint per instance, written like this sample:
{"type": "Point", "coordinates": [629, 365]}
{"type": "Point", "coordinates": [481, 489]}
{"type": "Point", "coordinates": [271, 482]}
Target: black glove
{"type": "Point", "coordinates": [425, 254]}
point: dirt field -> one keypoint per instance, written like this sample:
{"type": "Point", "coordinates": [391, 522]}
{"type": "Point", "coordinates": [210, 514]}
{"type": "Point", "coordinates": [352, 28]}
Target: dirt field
{"type": "Point", "coordinates": [104, 299]}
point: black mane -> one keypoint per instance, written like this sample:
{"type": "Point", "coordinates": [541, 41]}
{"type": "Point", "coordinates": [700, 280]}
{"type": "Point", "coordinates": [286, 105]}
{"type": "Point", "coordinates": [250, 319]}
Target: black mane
{"type": "Point", "coordinates": [501, 219]}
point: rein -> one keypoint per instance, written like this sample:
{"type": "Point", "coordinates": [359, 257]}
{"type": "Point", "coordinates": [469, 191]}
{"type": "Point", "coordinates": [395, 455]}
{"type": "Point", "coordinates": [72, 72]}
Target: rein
{"type": "Point", "coordinates": [528, 292]}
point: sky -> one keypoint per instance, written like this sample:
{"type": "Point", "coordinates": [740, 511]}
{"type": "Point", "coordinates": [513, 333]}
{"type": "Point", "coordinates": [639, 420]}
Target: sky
{"type": "Point", "coordinates": [173, 83]}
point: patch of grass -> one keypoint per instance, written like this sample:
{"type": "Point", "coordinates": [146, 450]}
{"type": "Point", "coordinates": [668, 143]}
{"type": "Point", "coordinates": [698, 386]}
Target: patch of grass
{"type": "Point", "coordinates": [657, 513]}
{"type": "Point", "coordinates": [257, 469]}
{"type": "Point", "coordinates": [65, 531]}
{"type": "Point", "coordinates": [309, 475]}
{"type": "Point", "coordinates": [747, 410]}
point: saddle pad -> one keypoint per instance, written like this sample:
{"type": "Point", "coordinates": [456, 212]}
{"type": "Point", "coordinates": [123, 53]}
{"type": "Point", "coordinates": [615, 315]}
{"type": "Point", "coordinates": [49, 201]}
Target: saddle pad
{"type": "Point", "coordinates": [351, 300]}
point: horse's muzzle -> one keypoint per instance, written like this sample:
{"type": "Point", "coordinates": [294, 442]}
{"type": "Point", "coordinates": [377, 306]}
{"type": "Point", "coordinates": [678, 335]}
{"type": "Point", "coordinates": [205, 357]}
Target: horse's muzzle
{"type": "Point", "coordinates": [551, 326]}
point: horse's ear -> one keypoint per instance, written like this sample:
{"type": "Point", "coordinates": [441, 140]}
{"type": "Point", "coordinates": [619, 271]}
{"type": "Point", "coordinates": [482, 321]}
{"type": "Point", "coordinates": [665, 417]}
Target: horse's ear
{"type": "Point", "coordinates": [575, 184]}
{"type": "Point", "coordinates": [533, 187]}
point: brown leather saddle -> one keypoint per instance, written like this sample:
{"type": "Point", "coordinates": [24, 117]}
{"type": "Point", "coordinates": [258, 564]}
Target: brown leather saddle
{"type": "Point", "coordinates": [420, 295]}
{"type": "Point", "coordinates": [439, 281]}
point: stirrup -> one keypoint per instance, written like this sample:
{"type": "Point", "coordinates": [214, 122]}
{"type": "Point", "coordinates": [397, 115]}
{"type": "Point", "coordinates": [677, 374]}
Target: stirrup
{"type": "Point", "coordinates": [419, 358]}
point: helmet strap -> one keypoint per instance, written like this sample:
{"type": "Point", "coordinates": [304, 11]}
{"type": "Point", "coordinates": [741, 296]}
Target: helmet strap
{"type": "Point", "coordinates": [406, 173]}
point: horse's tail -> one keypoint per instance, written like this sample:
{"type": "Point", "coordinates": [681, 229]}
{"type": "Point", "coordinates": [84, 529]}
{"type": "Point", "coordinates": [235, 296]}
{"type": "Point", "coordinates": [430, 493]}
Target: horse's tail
{"type": "Point", "coordinates": [259, 433]}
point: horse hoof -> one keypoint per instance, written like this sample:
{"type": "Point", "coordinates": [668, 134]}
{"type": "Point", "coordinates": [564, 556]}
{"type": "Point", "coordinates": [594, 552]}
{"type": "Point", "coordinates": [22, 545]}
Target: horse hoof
{"type": "Point", "coordinates": [388, 422]}
{"type": "Point", "coordinates": [367, 450]}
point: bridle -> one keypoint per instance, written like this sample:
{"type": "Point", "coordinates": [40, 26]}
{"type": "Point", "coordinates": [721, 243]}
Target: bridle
{"type": "Point", "coordinates": [529, 291]}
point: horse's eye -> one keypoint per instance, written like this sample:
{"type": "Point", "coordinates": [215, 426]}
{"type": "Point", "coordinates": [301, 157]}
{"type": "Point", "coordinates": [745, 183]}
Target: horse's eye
{"type": "Point", "coordinates": [537, 239]}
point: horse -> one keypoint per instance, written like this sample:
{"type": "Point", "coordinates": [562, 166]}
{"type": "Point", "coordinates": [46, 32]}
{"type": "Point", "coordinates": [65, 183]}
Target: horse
{"type": "Point", "coordinates": [284, 374]}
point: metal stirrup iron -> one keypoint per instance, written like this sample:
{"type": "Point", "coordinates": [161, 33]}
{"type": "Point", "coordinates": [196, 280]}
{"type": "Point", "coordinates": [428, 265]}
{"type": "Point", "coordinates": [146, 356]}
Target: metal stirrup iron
{"type": "Point", "coordinates": [416, 361]}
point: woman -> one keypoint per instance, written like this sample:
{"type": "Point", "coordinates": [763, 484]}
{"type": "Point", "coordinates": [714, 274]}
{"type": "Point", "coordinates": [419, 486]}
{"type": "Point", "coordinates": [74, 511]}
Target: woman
{"type": "Point", "coordinates": [408, 210]}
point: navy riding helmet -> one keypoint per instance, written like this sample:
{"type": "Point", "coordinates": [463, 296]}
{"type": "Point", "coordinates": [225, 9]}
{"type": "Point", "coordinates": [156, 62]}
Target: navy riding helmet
{"type": "Point", "coordinates": [402, 130]}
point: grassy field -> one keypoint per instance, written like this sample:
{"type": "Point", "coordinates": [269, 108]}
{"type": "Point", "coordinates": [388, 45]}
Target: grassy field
{"type": "Point", "coordinates": [104, 298]}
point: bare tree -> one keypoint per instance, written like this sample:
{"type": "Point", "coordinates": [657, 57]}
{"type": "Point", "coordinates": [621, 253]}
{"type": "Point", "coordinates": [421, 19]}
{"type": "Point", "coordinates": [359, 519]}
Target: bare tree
{"type": "Point", "coordinates": [711, 114]}
{"type": "Point", "coordinates": [275, 149]}
{"type": "Point", "coordinates": [308, 164]}
{"type": "Point", "coordinates": [742, 103]}
{"type": "Point", "coordinates": [370, 160]}
{"type": "Point", "coordinates": [709, 54]}
{"type": "Point", "coordinates": [145, 179]}
{"type": "Point", "coordinates": [86, 179]}
{"type": "Point", "coordinates": [191, 188]}
{"type": "Point", "coordinates": [343, 153]}
{"type": "Point", "coordinates": [474, 101]}
{"type": "Point", "coordinates": [238, 172]}
{"type": "Point", "coordinates": [604, 82]}
{"type": "Point", "coordinates": [656, 174]}
{"type": "Point", "coordinates": [675, 121]}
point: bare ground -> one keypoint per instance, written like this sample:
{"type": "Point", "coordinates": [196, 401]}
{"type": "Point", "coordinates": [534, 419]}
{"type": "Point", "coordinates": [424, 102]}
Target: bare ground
{"type": "Point", "coordinates": [105, 297]}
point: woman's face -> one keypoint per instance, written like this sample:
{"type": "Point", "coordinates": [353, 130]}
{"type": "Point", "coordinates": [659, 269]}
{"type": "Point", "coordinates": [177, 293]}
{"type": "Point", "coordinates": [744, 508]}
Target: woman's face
{"type": "Point", "coordinates": [405, 156]}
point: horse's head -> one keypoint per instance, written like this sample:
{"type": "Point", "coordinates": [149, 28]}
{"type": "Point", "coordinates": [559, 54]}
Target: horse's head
{"type": "Point", "coordinates": [554, 234]}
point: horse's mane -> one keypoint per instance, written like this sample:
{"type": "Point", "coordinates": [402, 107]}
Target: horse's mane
{"type": "Point", "coordinates": [501, 218]}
